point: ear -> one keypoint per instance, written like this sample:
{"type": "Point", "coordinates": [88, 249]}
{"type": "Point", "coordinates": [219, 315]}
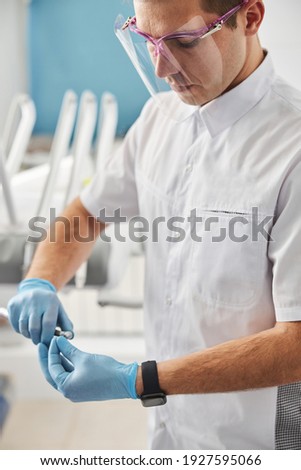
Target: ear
{"type": "Point", "coordinates": [254, 14]}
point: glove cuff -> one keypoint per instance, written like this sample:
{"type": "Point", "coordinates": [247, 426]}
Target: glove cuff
{"type": "Point", "coordinates": [132, 380]}
{"type": "Point", "coordinates": [35, 283]}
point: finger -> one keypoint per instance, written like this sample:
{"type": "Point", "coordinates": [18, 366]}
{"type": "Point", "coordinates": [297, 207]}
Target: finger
{"type": "Point", "coordinates": [43, 356]}
{"type": "Point", "coordinates": [55, 365]}
{"type": "Point", "coordinates": [64, 321]}
{"type": "Point", "coordinates": [43, 359]}
{"type": "Point", "coordinates": [23, 324]}
{"type": "Point", "coordinates": [34, 327]}
{"type": "Point", "coordinates": [67, 349]}
{"type": "Point", "coordinates": [49, 323]}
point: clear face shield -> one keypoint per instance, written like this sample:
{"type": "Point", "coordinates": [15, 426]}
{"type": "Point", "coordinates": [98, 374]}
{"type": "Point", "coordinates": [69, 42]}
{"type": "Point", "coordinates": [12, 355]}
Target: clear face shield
{"type": "Point", "coordinates": [186, 61]}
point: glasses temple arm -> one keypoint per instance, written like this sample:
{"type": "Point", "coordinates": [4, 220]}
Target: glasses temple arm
{"type": "Point", "coordinates": [232, 12]}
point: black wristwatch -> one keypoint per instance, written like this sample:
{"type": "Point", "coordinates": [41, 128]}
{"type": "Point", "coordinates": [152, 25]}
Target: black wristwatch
{"type": "Point", "coordinates": [152, 395]}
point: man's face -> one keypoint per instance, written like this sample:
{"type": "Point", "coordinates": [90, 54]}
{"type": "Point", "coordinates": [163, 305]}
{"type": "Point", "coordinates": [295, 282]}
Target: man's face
{"type": "Point", "coordinates": [202, 70]}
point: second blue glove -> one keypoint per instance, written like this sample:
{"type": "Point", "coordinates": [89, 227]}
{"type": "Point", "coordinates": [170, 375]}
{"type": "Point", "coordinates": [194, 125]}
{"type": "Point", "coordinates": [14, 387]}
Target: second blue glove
{"type": "Point", "coordinates": [81, 377]}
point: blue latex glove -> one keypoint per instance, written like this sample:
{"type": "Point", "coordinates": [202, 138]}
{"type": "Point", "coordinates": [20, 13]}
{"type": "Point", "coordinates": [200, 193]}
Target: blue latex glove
{"type": "Point", "coordinates": [36, 310]}
{"type": "Point", "coordinates": [80, 376]}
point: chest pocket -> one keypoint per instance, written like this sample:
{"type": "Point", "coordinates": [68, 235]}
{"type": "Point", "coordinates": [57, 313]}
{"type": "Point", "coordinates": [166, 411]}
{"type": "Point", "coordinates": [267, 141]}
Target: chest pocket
{"type": "Point", "coordinates": [226, 259]}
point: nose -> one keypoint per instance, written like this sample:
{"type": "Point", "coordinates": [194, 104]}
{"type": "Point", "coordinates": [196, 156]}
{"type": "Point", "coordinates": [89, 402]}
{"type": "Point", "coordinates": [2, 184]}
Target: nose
{"type": "Point", "coordinates": [165, 64]}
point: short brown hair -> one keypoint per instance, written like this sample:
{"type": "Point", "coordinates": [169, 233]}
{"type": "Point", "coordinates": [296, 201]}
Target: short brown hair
{"type": "Point", "coordinates": [221, 7]}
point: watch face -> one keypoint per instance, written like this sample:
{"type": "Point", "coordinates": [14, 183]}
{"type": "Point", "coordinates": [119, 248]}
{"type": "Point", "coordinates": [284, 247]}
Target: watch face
{"type": "Point", "coordinates": [153, 400]}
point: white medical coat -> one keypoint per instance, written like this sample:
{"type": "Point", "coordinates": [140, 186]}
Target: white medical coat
{"type": "Point", "coordinates": [239, 152]}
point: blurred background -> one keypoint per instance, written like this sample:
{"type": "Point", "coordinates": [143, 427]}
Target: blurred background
{"type": "Point", "coordinates": [48, 47]}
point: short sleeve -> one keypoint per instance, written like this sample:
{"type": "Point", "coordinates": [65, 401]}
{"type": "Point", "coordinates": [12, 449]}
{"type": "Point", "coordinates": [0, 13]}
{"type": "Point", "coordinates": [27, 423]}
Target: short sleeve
{"type": "Point", "coordinates": [114, 186]}
{"type": "Point", "coordinates": [285, 249]}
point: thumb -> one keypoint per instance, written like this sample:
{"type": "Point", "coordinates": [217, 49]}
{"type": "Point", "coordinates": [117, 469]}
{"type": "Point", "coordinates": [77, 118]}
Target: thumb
{"type": "Point", "coordinates": [43, 359]}
{"type": "Point", "coordinates": [67, 349]}
{"type": "Point", "coordinates": [60, 350]}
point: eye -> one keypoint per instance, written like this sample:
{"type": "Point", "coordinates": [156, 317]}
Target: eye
{"type": "Point", "coordinates": [187, 43]}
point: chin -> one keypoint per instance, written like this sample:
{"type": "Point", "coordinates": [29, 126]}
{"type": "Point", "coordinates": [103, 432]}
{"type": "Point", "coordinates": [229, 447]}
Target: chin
{"type": "Point", "coordinates": [192, 100]}
{"type": "Point", "coordinates": [199, 96]}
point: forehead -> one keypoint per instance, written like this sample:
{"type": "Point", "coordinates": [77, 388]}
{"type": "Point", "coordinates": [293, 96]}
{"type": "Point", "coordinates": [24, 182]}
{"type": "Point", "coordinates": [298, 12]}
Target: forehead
{"type": "Point", "coordinates": [160, 17]}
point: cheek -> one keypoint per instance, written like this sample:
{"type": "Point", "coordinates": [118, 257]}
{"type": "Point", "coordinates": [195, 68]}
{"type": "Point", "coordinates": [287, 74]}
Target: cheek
{"type": "Point", "coordinates": [233, 54]}
{"type": "Point", "coordinates": [207, 64]}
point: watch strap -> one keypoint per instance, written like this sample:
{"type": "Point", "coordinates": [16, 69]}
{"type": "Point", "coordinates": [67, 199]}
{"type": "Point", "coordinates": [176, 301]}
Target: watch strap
{"type": "Point", "coordinates": [150, 378]}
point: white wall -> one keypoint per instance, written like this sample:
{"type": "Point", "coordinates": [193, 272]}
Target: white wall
{"type": "Point", "coordinates": [13, 76]}
{"type": "Point", "coordinates": [280, 34]}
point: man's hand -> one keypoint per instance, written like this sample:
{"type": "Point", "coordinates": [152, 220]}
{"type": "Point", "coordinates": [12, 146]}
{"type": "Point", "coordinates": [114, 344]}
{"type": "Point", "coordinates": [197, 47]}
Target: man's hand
{"type": "Point", "coordinates": [81, 377]}
{"type": "Point", "coordinates": [36, 310]}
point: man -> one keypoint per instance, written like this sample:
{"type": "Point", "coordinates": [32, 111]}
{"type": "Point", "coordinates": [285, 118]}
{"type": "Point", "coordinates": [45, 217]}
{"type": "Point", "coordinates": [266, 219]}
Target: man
{"type": "Point", "coordinates": [223, 305]}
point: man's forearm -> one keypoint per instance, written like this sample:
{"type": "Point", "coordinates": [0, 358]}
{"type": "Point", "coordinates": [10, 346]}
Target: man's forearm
{"type": "Point", "coordinates": [70, 244]}
{"type": "Point", "coordinates": [266, 359]}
